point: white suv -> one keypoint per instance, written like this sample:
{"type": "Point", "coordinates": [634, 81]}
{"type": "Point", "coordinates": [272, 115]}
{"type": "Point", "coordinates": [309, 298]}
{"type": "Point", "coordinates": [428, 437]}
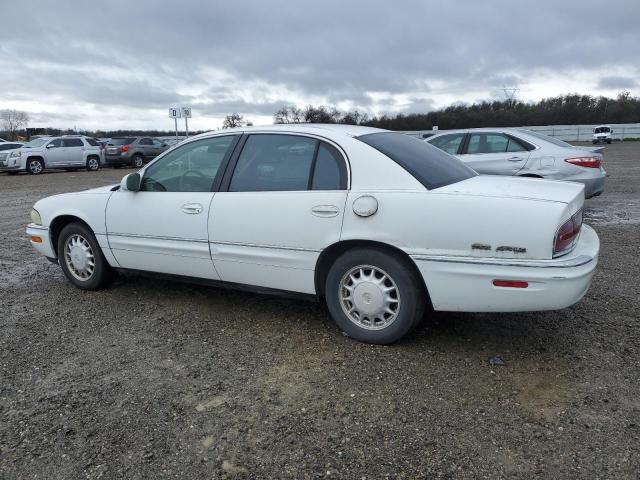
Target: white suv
{"type": "Point", "coordinates": [602, 133]}
{"type": "Point", "coordinates": [68, 152]}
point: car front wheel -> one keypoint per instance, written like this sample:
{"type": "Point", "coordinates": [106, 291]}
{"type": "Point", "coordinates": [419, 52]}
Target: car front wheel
{"type": "Point", "coordinates": [81, 258]}
{"type": "Point", "coordinates": [35, 166]}
{"type": "Point", "coordinates": [373, 296]}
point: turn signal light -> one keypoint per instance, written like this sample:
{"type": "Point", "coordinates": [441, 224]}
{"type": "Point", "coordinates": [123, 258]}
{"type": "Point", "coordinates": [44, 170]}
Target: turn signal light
{"type": "Point", "coordinates": [36, 239]}
{"type": "Point", "coordinates": [589, 162]}
{"type": "Point", "coordinates": [510, 283]}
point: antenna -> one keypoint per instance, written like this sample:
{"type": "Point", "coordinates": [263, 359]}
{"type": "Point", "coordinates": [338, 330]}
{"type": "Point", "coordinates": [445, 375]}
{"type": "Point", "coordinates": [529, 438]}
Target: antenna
{"type": "Point", "coordinates": [510, 93]}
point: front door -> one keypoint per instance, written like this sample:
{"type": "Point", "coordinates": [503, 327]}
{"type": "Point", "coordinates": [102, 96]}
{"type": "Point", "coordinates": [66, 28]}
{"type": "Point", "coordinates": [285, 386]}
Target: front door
{"type": "Point", "coordinates": [281, 203]}
{"type": "Point", "coordinates": [56, 153]}
{"type": "Point", "coordinates": [494, 153]}
{"type": "Point", "coordinates": [163, 227]}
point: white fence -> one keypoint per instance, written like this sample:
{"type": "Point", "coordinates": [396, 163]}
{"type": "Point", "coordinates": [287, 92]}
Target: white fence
{"type": "Point", "coordinates": [572, 133]}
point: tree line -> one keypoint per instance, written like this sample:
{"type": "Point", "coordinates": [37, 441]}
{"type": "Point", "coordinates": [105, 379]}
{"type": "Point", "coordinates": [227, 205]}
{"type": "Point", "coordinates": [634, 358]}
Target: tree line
{"type": "Point", "coordinates": [561, 110]}
{"type": "Point", "coordinates": [569, 109]}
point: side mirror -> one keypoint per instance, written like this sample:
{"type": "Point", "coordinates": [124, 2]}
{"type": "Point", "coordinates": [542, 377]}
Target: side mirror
{"type": "Point", "coordinates": [131, 182]}
{"type": "Point", "coordinates": [51, 145]}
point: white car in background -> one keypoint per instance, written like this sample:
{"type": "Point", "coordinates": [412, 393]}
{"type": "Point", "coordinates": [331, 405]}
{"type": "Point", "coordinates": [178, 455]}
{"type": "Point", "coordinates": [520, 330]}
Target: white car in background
{"type": "Point", "coordinates": [524, 153]}
{"type": "Point", "coordinates": [70, 152]}
{"type": "Point", "coordinates": [602, 133]}
{"type": "Point", "coordinates": [378, 224]}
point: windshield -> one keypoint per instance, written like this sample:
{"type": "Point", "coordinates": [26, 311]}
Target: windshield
{"type": "Point", "coordinates": [429, 165]}
{"type": "Point", "coordinates": [36, 142]}
{"type": "Point", "coordinates": [547, 138]}
{"type": "Point", "coordinates": [601, 130]}
{"type": "Point", "coordinates": [121, 141]}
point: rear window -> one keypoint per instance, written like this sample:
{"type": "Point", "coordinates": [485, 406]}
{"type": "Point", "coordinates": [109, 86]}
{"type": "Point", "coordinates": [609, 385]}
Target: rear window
{"type": "Point", "coordinates": [428, 164]}
{"type": "Point", "coordinates": [121, 141]}
{"type": "Point", "coordinates": [547, 138]}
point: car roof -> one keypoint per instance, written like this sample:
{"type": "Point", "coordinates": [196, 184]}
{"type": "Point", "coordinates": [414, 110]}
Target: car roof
{"type": "Point", "coordinates": [323, 129]}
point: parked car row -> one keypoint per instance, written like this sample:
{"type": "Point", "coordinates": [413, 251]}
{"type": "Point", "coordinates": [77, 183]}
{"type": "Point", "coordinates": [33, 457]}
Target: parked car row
{"type": "Point", "coordinates": [73, 152]}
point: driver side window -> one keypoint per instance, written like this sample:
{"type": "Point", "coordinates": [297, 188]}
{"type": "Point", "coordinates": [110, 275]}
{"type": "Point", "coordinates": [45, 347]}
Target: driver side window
{"type": "Point", "coordinates": [190, 168]}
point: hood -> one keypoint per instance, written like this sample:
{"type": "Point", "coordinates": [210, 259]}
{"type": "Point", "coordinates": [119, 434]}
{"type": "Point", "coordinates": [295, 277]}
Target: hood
{"type": "Point", "coordinates": [105, 189]}
{"type": "Point", "coordinates": [518, 187]}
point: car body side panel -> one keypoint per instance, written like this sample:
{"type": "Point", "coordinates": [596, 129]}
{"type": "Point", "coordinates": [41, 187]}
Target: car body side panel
{"type": "Point", "coordinates": [451, 224]}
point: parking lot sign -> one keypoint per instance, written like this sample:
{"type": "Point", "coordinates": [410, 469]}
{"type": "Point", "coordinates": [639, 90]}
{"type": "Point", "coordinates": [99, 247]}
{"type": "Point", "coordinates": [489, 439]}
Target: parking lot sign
{"type": "Point", "coordinates": [174, 112]}
{"type": "Point", "coordinates": [186, 112]}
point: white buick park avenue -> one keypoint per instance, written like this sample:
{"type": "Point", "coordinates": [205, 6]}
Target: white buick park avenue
{"type": "Point", "coordinates": [379, 225]}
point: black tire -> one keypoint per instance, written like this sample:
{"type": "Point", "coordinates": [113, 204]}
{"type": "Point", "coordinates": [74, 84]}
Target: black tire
{"type": "Point", "coordinates": [102, 273]}
{"type": "Point", "coordinates": [32, 166]}
{"type": "Point", "coordinates": [609, 142]}
{"type": "Point", "coordinates": [137, 161]}
{"type": "Point", "coordinates": [93, 164]}
{"type": "Point", "coordinates": [410, 306]}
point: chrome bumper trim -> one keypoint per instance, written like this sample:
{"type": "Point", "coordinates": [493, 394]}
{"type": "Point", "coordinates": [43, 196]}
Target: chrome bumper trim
{"type": "Point", "coordinates": [508, 262]}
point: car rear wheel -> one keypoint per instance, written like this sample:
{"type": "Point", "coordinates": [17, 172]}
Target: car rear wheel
{"type": "Point", "coordinates": [93, 164]}
{"type": "Point", "coordinates": [373, 296]}
{"type": "Point", "coordinates": [35, 166]}
{"type": "Point", "coordinates": [81, 258]}
{"type": "Point", "coordinates": [137, 161]}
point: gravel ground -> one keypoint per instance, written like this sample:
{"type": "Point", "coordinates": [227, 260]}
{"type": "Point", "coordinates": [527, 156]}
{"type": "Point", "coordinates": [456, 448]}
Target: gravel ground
{"type": "Point", "coordinates": [156, 379]}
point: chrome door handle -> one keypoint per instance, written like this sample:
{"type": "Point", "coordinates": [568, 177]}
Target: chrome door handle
{"type": "Point", "coordinates": [325, 211]}
{"type": "Point", "coordinates": [192, 208]}
{"type": "Point", "coordinates": [516, 159]}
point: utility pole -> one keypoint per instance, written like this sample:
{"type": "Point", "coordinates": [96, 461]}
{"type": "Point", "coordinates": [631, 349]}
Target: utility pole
{"type": "Point", "coordinates": [510, 94]}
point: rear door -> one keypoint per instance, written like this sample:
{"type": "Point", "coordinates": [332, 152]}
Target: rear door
{"type": "Point", "coordinates": [163, 227]}
{"type": "Point", "coordinates": [281, 202]}
{"type": "Point", "coordinates": [494, 153]}
{"type": "Point", "coordinates": [74, 149]}
{"type": "Point", "coordinates": [157, 147]}
{"type": "Point", "coordinates": [145, 145]}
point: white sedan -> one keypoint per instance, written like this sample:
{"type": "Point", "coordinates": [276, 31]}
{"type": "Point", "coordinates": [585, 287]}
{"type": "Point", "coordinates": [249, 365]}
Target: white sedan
{"type": "Point", "coordinates": [378, 224]}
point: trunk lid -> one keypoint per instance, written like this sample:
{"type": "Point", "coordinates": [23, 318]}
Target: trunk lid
{"type": "Point", "coordinates": [570, 193]}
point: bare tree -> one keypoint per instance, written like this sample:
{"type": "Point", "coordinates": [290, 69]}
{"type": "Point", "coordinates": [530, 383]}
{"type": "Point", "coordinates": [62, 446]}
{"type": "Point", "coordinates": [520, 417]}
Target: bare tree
{"type": "Point", "coordinates": [234, 120]}
{"type": "Point", "coordinates": [288, 114]}
{"type": "Point", "coordinates": [13, 120]}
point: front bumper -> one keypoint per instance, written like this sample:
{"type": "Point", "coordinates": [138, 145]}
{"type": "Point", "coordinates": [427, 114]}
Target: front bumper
{"type": "Point", "coordinates": [465, 284]}
{"type": "Point", "coordinates": [41, 240]}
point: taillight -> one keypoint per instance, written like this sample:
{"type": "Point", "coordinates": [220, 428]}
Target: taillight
{"type": "Point", "coordinates": [567, 234]}
{"type": "Point", "coordinates": [124, 148]}
{"type": "Point", "coordinates": [589, 162]}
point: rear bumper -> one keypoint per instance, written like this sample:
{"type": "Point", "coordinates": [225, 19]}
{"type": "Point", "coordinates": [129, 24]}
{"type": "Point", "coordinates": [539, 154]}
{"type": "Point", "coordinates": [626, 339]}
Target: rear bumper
{"type": "Point", "coordinates": [465, 284]}
{"type": "Point", "coordinates": [44, 245]}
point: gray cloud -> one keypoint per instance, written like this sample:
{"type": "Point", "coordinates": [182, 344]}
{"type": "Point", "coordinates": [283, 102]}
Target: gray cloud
{"type": "Point", "coordinates": [617, 83]}
{"type": "Point", "coordinates": [254, 56]}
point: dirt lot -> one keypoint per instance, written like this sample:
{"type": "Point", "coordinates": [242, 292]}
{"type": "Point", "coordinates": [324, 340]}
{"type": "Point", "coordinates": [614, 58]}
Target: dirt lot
{"type": "Point", "coordinates": [165, 380]}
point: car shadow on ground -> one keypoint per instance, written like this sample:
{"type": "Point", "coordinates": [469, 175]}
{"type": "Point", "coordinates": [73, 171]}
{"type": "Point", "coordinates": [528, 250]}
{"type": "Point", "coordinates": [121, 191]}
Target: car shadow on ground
{"type": "Point", "coordinates": [524, 332]}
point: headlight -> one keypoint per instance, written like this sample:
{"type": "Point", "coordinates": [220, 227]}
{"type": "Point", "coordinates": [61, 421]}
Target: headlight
{"type": "Point", "coordinates": [15, 154]}
{"type": "Point", "coordinates": [35, 217]}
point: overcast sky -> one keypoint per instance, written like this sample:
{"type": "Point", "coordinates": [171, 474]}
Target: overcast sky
{"type": "Point", "coordinates": [115, 64]}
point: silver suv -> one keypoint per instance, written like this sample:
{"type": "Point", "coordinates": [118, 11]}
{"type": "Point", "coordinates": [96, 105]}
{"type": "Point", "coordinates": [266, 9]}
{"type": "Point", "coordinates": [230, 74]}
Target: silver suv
{"type": "Point", "coordinates": [70, 152]}
{"type": "Point", "coordinates": [133, 151]}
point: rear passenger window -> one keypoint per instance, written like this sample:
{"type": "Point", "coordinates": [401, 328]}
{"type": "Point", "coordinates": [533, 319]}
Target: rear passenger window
{"type": "Point", "coordinates": [448, 143]}
{"type": "Point", "coordinates": [92, 142]}
{"type": "Point", "coordinates": [329, 172]}
{"type": "Point", "coordinates": [73, 142]}
{"type": "Point", "coordinates": [274, 163]}
{"type": "Point", "coordinates": [145, 141]}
